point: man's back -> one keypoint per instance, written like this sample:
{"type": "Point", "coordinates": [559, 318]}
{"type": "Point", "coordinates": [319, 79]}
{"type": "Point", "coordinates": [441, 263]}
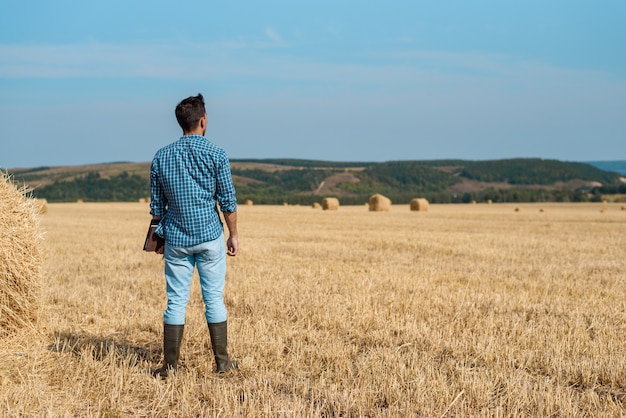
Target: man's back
{"type": "Point", "coordinates": [189, 177]}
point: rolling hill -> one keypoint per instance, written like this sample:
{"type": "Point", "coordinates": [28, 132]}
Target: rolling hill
{"type": "Point", "coordinates": [277, 181]}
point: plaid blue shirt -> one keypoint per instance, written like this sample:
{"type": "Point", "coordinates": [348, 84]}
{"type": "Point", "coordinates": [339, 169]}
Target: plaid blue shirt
{"type": "Point", "coordinates": [188, 178]}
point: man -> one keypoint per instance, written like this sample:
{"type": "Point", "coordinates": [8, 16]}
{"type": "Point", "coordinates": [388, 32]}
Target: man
{"type": "Point", "coordinates": [188, 180]}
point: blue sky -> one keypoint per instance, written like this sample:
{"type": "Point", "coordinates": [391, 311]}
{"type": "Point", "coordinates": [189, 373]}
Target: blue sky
{"type": "Point", "coordinates": [87, 82]}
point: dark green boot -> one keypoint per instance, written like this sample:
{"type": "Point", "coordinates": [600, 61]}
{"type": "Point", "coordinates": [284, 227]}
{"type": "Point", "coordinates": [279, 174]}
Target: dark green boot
{"type": "Point", "coordinates": [172, 336]}
{"type": "Point", "coordinates": [219, 341]}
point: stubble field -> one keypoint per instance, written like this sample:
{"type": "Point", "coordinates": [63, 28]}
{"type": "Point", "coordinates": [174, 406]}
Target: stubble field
{"type": "Point", "coordinates": [465, 310]}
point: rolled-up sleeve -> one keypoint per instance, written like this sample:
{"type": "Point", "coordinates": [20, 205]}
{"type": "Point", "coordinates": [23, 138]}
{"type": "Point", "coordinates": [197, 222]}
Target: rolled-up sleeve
{"type": "Point", "coordinates": [225, 189]}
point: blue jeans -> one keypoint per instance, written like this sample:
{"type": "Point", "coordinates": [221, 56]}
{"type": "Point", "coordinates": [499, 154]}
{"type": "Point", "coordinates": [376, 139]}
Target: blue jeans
{"type": "Point", "coordinates": [210, 258]}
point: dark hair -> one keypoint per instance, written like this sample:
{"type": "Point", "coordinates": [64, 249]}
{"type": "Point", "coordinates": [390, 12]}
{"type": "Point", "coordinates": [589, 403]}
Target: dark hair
{"type": "Point", "coordinates": [190, 111]}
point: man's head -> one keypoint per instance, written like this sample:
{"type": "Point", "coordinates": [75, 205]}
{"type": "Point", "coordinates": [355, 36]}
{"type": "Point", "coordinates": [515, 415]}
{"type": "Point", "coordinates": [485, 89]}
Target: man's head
{"type": "Point", "coordinates": [191, 114]}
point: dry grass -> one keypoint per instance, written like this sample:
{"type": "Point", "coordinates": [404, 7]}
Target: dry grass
{"type": "Point", "coordinates": [473, 310]}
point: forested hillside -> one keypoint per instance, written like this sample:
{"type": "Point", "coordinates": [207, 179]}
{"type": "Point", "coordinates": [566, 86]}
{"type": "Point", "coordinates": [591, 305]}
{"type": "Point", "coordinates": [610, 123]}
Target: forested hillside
{"type": "Point", "coordinates": [277, 181]}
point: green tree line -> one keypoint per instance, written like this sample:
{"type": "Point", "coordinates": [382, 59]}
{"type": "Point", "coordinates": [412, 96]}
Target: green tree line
{"type": "Point", "coordinates": [93, 188]}
{"type": "Point", "coordinates": [401, 181]}
{"type": "Point", "coordinates": [534, 171]}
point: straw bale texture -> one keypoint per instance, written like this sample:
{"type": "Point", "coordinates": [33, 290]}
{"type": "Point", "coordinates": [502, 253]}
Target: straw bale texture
{"type": "Point", "coordinates": [20, 258]}
{"type": "Point", "coordinates": [330, 203]}
{"type": "Point", "coordinates": [419, 205]}
{"type": "Point", "coordinates": [379, 203]}
{"type": "Point", "coordinates": [42, 206]}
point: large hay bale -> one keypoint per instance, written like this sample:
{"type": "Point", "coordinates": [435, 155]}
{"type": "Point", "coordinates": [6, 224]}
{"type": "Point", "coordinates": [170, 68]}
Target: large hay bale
{"type": "Point", "coordinates": [20, 257]}
{"type": "Point", "coordinates": [379, 203]}
{"type": "Point", "coordinates": [330, 203]}
{"type": "Point", "coordinates": [419, 205]}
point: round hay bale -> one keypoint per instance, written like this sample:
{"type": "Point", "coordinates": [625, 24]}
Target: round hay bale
{"type": "Point", "coordinates": [20, 258]}
{"type": "Point", "coordinates": [330, 203]}
{"type": "Point", "coordinates": [316, 205]}
{"type": "Point", "coordinates": [489, 201]}
{"type": "Point", "coordinates": [419, 205]}
{"type": "Point", "coordinates": [249, 202]}
{"type": "Point", "coordinates": [379, 203]}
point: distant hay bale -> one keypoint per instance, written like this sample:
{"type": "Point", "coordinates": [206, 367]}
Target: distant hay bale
{"type": "Point", "coordinates": [623, 207]}
{"type": "Point", "coordinates": [285, 204]}
{"type": "Point", "coordinates": [249, 202]}
{"type": "Point", "coordinates": [330, 203]}
{"type": "Point", "coordinates": [419, 205]}
{"type": "Point", "coordinates": [80, 201]}
{"type": "Point", "coordinates": [20, 258]}
{"type": "Point", "coordinates": [541, 210]}
{"type": "Point", "coordinates": [142, 200]}
{"type": "Point", "coordinates": [489, 201]}
{"type": "Point", "coordinates": [42, 206]}
{"type": "Point", "coordinates": [379, 203]}
{"type": "Point", "coordinates": [473, 202]}
{"type": "Point", "coordinates": [516, 209]}
{"type": "Point", "coordinates": [316, 205]}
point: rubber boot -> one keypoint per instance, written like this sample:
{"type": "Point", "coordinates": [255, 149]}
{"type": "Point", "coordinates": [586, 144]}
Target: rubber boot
{"type": "Point", "coordinates": [172, 336]}
{"type": "Point", "coordinates": [219, 341]}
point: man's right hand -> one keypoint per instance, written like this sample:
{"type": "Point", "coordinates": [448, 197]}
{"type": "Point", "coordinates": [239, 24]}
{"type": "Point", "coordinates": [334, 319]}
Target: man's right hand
{"type": "Point", "coordinates": [232, 245]}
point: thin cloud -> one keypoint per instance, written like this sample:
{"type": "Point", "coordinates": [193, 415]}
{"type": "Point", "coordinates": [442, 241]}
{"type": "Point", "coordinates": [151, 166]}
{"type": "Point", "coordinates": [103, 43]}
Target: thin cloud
{"type": "Point", "coordinates": [273, 35]}
{"type": "Point", "coordinates": [393, 74]}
